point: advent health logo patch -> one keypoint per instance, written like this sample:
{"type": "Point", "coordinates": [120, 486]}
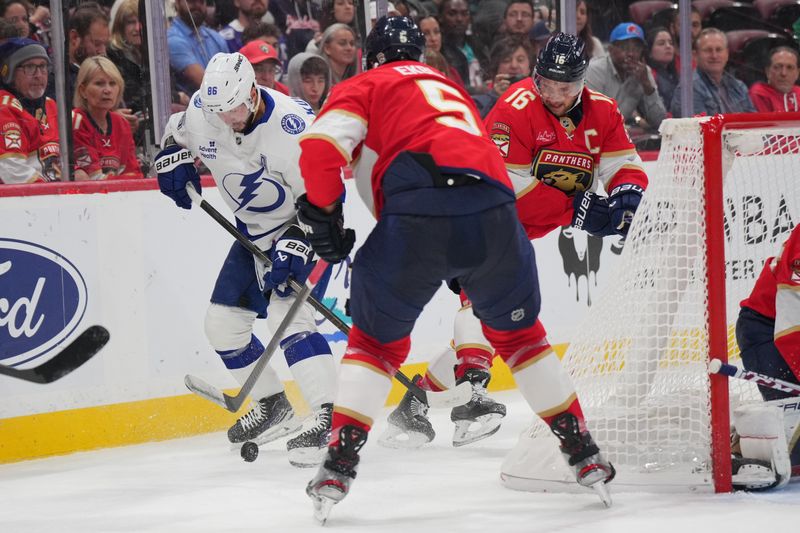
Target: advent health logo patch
{"type": "Point", "coordinates": [42, 300]}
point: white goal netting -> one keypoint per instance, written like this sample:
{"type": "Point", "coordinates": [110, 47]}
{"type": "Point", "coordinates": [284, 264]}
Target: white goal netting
{"type": "Point", "coordinates": [639, 363]}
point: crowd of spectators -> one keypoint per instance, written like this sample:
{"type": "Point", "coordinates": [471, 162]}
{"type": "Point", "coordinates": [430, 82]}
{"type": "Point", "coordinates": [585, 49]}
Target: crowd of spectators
{"type": "Point", "coordinates": [304, 47]}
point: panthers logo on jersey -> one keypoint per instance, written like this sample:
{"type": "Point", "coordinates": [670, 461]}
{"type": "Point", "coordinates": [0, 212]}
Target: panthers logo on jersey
{"type": "Point", "coordinates": [570, 172]}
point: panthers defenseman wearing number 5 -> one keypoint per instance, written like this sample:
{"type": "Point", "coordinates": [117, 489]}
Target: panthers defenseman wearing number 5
{"type": "Point", "coordinates": [247, 136]}
{"type": "Point", "coordinates": [445, 210]}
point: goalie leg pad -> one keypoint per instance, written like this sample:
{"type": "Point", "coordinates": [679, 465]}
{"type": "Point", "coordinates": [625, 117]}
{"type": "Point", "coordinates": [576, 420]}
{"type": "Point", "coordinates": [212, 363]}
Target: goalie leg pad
{"type": "Point", "coordinates": [791, 425]}
{"type": "Point", "coordinates": [762, 437]}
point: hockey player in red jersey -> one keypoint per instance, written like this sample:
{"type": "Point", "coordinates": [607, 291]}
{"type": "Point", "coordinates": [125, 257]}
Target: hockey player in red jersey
{"type": "Point", "coordinates": [445, 210]}
{"type": "Point", "coordinates": [562, 144]}
{"type": "Point", "coordinates": [768, 334]}
{"type": "Point", "coordinates": [768, 329]}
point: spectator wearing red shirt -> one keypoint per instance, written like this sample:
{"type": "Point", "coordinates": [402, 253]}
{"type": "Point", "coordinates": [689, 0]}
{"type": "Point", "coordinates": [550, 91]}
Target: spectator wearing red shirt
{"type": "Point", "coordinates": [780, 92]}
{"type": "Point", "coordinates": [104, 147]}
{"type": "Point", "coordinates": [29, 149]}
{"type": "Point", "coordinates": [266, 64]}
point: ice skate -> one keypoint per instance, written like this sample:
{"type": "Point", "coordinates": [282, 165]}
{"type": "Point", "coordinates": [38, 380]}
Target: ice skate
{"type": "Point", "coordinates": [308, 448]}
{"type": "Point", "coordinates": [753, 475]}
{"type": "Point", "coordinates": [269, 419]}
{"type": "Point", "coordinates": [334, 477]}
{"type": "Point", "coordinates": [582, 454]}
{"type": "Point", "coordinates": [481, 416]}
{"type": "Point", "coordinates": [408, 425]}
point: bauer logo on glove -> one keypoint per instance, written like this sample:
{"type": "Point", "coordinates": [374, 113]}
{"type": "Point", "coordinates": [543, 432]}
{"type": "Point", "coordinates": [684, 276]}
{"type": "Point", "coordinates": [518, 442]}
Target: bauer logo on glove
{"type": "Point", "coordinates": [175, 167]}
{"type": "Point", "coordinates": [291, 257]}
{"type": "Point", "coordinates": [170, 161]}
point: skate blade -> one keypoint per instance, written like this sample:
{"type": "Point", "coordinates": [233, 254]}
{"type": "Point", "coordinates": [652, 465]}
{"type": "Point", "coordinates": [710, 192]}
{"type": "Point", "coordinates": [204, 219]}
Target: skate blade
{"type": "Point", "coordinates": [325, 497]}
{"type": "Point", "coordinates": [602, 491]}
{"type": "Point", "coordinates": [307, 457]}
{"type": "Point", "coordinates": [322, 508]}
{"type": "Point", "coordinates": [753, 477]}
{"type": "Point", "coordinates": [394, 437]}
{"type": "Point", "coordinates": [488, 425]}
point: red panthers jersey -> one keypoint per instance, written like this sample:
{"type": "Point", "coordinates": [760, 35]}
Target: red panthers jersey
{"type": "Point", "coordinates": [402, 106]}
{"type": "Point", "coordinates": [549, 159]}
{"type": "Point", "coordinates": [775, 296]}
{"type": "Point", "coordinates": [104, 155]}
{"type": "Point", "coordinates": [29, 149]}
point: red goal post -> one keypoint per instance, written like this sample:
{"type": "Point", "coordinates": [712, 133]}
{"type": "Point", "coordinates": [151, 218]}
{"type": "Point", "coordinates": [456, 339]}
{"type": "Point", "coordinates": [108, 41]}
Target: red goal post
{"type": "Point", "coordinates": [713, 136]}
{"type": "Point", "coordinates": [723, 197]}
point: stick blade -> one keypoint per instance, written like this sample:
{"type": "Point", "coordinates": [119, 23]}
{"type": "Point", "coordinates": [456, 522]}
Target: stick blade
{"type": "Point", "coordinates": [80, 350]}
{"type": "Point", "coordinates": [458, 395]}
{"type": "Point", "coordinates": [204, 390]}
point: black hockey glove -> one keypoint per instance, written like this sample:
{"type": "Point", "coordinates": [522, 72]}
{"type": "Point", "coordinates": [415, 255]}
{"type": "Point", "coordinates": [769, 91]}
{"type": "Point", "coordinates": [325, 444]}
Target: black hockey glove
{"type": "Point", "coordinates": [325, 232]}
{"type": "Point", "coordinates": [622, 204]}
{"type": "Point", "coordinates": [592, 214]}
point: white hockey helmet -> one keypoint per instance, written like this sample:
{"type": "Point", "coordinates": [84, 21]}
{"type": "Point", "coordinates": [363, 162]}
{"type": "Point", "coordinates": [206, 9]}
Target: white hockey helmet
{"type": "Point", "coordinates": [227, 83]}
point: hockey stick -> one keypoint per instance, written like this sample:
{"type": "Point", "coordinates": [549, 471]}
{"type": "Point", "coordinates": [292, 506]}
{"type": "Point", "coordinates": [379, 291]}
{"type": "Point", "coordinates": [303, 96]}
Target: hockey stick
{"type": "Point", "coordinates": [715, 366]}
{"type": "Point", "coordinates": [458, 395]}
{"type": "Point", "coordinates": [233, 403]}
{"type": "Point", "coordinates": [83, 348]}
{"type": "Point", "coordinates": [261, 256]}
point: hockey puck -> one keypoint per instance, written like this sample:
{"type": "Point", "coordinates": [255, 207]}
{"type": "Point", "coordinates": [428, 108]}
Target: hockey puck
{"type": "Point", "coordinates": [249, 451]}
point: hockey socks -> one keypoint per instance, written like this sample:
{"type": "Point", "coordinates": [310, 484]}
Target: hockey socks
{"type": "Point", "coordinates": [312, 366]}
{"type": "Point", "coordinates": [365, 379]}
{"type": "Point", "coordinates": [240, 363]}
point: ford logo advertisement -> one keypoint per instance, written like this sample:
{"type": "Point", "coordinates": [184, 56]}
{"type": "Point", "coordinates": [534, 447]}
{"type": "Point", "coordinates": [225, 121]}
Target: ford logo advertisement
{"type": "Point", "coordinates": [42, 300]}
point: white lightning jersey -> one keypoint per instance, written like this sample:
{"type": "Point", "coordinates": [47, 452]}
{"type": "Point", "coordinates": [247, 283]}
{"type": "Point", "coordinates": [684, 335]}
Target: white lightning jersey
{"type": "Point", "coordinates": [256, 171]}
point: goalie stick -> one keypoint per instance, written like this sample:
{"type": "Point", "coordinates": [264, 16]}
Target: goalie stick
{"type": "Point", "coordinates": [83, 348]}
{"type": "Point", "coordinates": [715, 366]}
{"type": "Point", "coordinates": [456, 396]}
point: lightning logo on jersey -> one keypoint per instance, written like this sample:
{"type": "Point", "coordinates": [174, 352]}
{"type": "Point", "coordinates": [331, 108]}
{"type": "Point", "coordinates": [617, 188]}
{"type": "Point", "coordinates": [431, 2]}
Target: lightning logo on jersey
{"type": "Point", "coordinates": [245, 188]}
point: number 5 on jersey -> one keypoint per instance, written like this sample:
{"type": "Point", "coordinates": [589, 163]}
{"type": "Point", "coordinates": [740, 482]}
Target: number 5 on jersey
{"type": "Point", "coordinates": [448, 100]}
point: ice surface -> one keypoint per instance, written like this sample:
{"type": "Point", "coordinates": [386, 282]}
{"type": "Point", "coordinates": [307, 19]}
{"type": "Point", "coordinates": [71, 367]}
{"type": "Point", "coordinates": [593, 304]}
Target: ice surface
{"type": "Point", "coordinates": [200, 485]}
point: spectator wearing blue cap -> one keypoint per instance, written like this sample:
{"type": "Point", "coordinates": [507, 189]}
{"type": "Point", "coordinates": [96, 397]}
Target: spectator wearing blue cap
{"type": "Point", "coordinates": [29, 150]}
{"type": "Point", "coordinates": [714, 91]}
{"type": "Point", "coordinates": [539, 35]}
{"type": "Point", "coordinates": [624, 76]}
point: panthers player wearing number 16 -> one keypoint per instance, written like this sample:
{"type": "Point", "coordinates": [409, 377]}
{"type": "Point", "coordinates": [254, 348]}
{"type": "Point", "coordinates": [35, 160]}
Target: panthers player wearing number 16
{"type": "Point", "coordinates": [445, 210]}
{"type": "Point", "coordinates": [247, 136]}
{"type": "Point", "coordinates": [562, 144]}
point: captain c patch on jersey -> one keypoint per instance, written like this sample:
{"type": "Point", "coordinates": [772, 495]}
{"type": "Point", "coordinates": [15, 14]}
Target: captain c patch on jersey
{"type": "Point", "coordinates": [570, 172]}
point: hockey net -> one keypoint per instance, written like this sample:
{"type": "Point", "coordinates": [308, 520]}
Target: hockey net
{"type": "Point", "coordinates": [723, 198]}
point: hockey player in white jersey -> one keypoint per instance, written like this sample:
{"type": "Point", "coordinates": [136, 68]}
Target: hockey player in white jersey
{"type": "Point", "coordinates": [247, 136]}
